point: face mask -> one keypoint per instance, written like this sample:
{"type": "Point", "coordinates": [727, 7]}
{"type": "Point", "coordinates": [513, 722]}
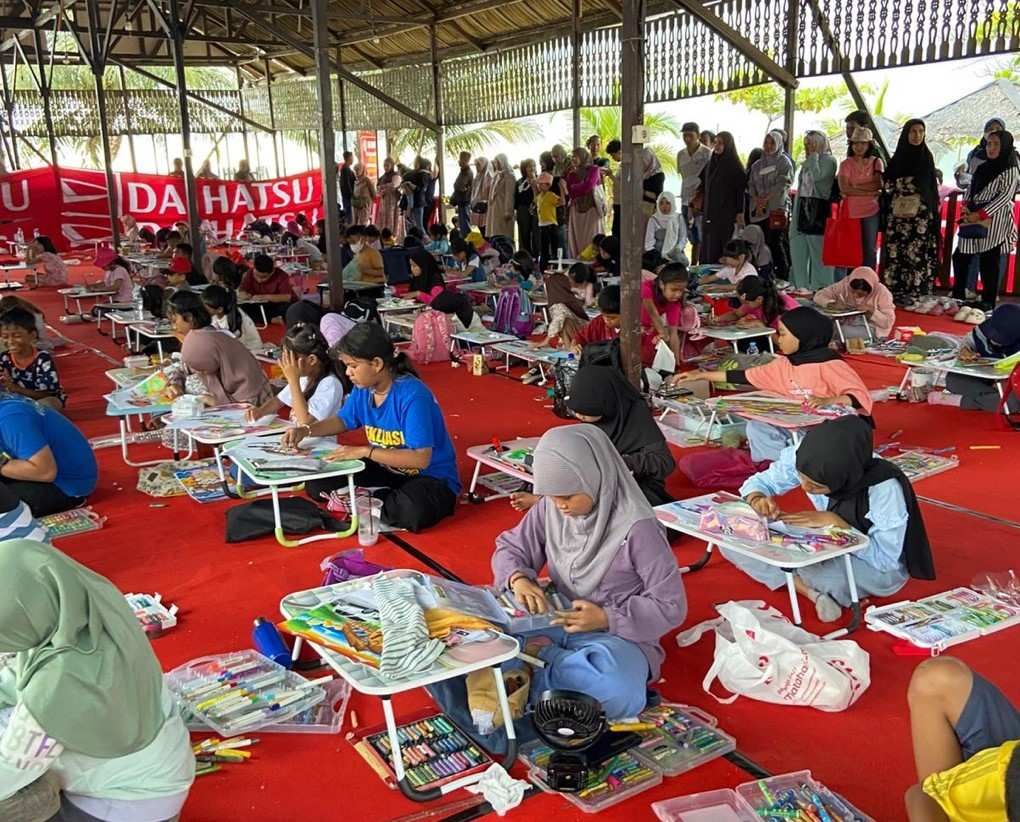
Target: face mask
{"type": "Point", "coordinates": [356, 247]}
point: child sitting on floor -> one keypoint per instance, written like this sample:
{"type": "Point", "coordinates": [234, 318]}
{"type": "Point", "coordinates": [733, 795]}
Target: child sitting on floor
{"type": "Point", "coordinates": [53, 270]}
{"type": "Point", "coordinates": [861, 291]}
{"type": "Point", "coordinates": [438, 244]}
{"type": "Point", "coordinates": [24, 369]}
{"type": "Point", "coordinates": [760, 304]}
{"type": "Point", "coordinates": [566, 315]}
{"type": "Point", "coordinates": [736, 264]}
{"type": "Point", "coordinates": [10, 301]}
{"type": "Point", "coordinates": [314, 391]}
{"type": "Point", "coordinates": [849, 487]}
{"type": "Point", "coordinates": [810, 370]}
{"type": "Point", "coordinates": [226, 316]}
{"type": "Point", "coordinates": [966, 737]}
{"type": "Point", "coordinates": [665, 314]}
{"type": "Point", "coordinates": [116, 274]}
{"type": "Point", "coordinates": [584, 283]}
{"type": "Point", "coordinates": [604, 327]}
{"type": "Point", "coordinates": [591, 252]}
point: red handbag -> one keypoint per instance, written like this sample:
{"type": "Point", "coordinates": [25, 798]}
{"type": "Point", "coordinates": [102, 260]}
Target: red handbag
{"type": "Point", "coordinates": [841, 243]}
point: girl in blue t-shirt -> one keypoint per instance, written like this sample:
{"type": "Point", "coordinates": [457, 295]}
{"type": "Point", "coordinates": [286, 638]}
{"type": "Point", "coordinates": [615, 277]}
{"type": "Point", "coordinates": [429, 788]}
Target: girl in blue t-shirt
{"type": "Point", "coordinates": [409, 454]}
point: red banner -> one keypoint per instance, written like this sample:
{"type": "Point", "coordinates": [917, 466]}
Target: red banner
{"type": "Point", "coordinates": [70, 205]}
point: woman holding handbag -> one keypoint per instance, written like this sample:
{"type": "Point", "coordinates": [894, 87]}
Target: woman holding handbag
{"type": "Point", "coordinates": [768, 186]}
{"type": "Point", "coordinates": [860, 181]}
{"type": "Point", "coordinates": [912, 228]}
{"type": "Point", "coordinates": [987, 229]}
{"type": "Point", "coordinates": [810, 210]}
{"type": "Point", "coordinates": [481, 188]}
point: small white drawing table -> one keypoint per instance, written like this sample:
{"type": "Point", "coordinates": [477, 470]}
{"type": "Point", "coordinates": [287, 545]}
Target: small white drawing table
{"type": "Point", "coordinates": [241, 452]}
{"type": "Point", "coordinates": [354, 286]}
{"type": "Point", "coordinates": [675, 516]}
{"type": "Point", "coordinates": [78, 294]}
{"type": "Point", "coordinates": [542, 358]}
{"type": "Point", "coordinates": [795, 422]}
{"type": "Point", "coordinates": [121, 317]}
{"type": "Point", "coordinates": [735, 333]}
{"type": "Point", "coordinates": [479, 339]}
{"type": "Point", "coordinates": [261, 303]}
{"type": "Point", "coordinates": [705, 414]}
{"type": "Point", "coordinates": [954, 366]}
{"type": "Point", "coordinates": [157, 331]}
{"type": "Point", "coordinates": [487, 456]}
{"type": "Point", "coordinates": [841, 315]}
{"type": "Point", "coordinates": [402, 324]}
{"type": "Point", "coordinates": [367, 680]}
{"type": "Point", "coordinates": [398, 305]}
{"type": "Point", "coordinates": [124, 412]}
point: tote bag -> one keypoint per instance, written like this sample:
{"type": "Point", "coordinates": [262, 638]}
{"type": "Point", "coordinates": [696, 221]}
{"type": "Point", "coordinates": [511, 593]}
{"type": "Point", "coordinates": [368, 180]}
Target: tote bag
{"type": "Point", "coordinates": [760, 654]}
{"type": "Point", "coordinates": [841, 243]}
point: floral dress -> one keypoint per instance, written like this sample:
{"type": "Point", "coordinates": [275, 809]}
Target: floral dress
{"type": "Point", "coordinates": [37, 375]}
{"type": "Point", "coordinates": [912, 247]}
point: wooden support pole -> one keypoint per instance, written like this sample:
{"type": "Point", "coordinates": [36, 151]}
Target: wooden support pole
{"type": "Point", "coordinates": [43, 83]}
{"type": "Point", "coordinates": [98, 65]}
{"type": "Point", "coordinates": [240, 103]}
{"type": "Point", "coordinates": [342, 94]}
{"type": "Point", "coordinates": [437, 100]}
{"type": "Point", "coordinates": [575, 72]}
{"type": "Point", "coordinates": [272, 119]}
{"type": "Point", "coordinates": [632, 93]}
{"type": "Point", "coordinates": [327, 150]}
{"type": "Point", "coordinates": [792, 44]}
{"type": "Point", "coordinates": [9, 106]}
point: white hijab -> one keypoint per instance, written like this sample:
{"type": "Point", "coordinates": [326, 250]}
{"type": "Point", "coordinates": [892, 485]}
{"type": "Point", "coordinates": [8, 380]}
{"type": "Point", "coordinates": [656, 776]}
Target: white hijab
{"type": "Point", "coordinates": [576, 459]}
{"type": "Point", "coordinates": [670, 223]}
{"type": "Point", "coordinates": [483, 174]}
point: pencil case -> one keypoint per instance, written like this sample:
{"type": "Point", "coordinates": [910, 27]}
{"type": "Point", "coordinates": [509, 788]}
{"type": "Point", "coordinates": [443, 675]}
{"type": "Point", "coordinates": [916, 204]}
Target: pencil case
{"type": "Point", "coordinates": [734, 519]}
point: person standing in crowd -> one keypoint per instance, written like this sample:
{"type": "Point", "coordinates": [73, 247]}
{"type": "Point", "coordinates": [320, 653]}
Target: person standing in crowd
{"type": "Point", "coordinates": [912, 228]}
{"type": "Point", "coordinates": [461, 196]}
{"type": "Point", "coordinates": [561, 167]}
{"type": "Point", "coordinates": [178, 169]}
{"type": "Point", "coordinates": [722, 186]}
{"type": "Point", "coordinates": [653, 181]}
{"type": "Point", "coordinates": [615, 151]}
{"type": "Point", "coordinates": [860, 180]}
{"type": "Point", "coordinates": [855, 120]}
{"type": "Point", "coordinates": [243, 173]}
{"type": "Point", "coordinates": [987, 229]}
{"type": "Point", "coordinates": [364, 195]}
{"type": "Point", "coordinates": [389, 198]}
{"type": "Point", "coordinates": [547, 203]}
{"type": "Point", "coordinates": [584, 220]}
{"type": "Point", "coordinates": [345, 185]}
{"type": "Point", "coordinates": [524, 208]}
{"type": "Point", "coordinates": [481, 188]}
{"type": "Point", "coordinates": [810, 210]}
{"type": "Point", "coordinates": [690, 161]}
{"type": "Point", "coordinates": [594, 146]}
{"type": "Point", "coordinates": [431, 212]}
{"type": "Point", "coordinates": [707, 138]}
{"type": "Point", "coordinates": [975, 158]}
{"type": "Point", "coordinates": [415, 187]}
{"type": "Point", "coordinates": [768, 185]}
{"type": "Point", "coordinates": [499, 219]}
{"type": "Point", "coordinates": [205, 172]}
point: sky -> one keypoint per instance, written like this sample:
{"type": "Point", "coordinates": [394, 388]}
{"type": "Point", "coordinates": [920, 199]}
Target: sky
{"type": "Point", "coordinates": [912, 91]}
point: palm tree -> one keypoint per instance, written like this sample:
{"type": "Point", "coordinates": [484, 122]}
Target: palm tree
{"type": "Point", "coordinates": [663, 129]}
{"type": "Point", "coordinates": [465, 138]}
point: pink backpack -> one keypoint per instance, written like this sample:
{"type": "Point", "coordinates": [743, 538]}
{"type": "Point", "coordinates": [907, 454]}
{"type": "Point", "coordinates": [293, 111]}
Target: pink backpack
{"type": "Point", "coordinates": [430, 337]}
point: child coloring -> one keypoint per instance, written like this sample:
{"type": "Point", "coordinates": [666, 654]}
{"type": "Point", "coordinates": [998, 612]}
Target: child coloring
{"type": "Point", "coordinates": [24, 369]}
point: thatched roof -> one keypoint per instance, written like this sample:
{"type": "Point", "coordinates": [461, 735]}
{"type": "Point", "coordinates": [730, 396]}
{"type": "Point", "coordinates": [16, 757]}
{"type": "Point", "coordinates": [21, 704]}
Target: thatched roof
{"type": "Point", "coordinates": [967, 116]}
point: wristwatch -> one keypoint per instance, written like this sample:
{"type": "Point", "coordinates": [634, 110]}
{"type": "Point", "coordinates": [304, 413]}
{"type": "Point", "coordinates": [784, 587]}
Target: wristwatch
{"type": "Point", "coordinates": [4, 459]}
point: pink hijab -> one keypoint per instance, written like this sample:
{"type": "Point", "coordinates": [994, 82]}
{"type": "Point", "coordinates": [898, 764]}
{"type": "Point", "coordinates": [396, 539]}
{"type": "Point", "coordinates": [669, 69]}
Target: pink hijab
{"type": "Point", "coordinates": [879, 302]}
{"type": "Point", "coordinates": [226, 367]}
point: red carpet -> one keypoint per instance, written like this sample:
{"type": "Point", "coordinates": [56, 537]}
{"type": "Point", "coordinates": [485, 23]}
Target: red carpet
{"type": "Point", "coordinates": [178, 550]}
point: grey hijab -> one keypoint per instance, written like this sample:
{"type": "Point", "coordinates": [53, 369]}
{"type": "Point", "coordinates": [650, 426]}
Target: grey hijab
{"type": "Point", "coordinates": [577, 459]}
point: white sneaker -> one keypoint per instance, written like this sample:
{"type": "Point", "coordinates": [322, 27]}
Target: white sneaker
{"type": "Point", "coordinates": [975, 316]}
{"type": "Point", "coordinates": [961, 315]}
{"type": "Point", "coordinates": [533, 376]}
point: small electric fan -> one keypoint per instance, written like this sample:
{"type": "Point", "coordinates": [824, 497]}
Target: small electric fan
{"type": "Point", "coordinates": [575, 726]}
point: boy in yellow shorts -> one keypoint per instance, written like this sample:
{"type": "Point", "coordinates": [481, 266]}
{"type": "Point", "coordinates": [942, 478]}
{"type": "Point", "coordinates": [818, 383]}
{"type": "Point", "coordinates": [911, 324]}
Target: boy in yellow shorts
{"type": "Point", "coordinates": [966, 737]}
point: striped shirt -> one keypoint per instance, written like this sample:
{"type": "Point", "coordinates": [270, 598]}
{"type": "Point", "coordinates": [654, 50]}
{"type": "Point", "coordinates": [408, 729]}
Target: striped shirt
{"type": "Point", "coordinates": [18, 523]}
{"type": "Point", "coordinates": [996, 201]}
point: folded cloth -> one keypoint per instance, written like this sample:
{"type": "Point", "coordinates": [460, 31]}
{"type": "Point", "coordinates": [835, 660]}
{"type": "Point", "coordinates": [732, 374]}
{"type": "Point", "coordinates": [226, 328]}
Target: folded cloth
{"type": "Point", "coordinates": [407, 649]}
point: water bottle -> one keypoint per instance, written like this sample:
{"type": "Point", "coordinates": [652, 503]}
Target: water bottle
{"type": "Point", "coordinates": [140, 306]}
{"type": "Point", "coordinates": [268, 642]}
{"type": "Point", "coordinates": [19, 237]}
{"type": "Point", "coordinates": [752, 349]}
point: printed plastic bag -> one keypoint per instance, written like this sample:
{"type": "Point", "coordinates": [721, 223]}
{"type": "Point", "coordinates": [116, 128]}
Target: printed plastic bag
{"type": "Point", "coordinates": [760, 654]}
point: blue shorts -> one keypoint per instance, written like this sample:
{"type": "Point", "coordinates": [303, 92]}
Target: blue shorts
{"type": "Point", "coordinates": [988, 719]}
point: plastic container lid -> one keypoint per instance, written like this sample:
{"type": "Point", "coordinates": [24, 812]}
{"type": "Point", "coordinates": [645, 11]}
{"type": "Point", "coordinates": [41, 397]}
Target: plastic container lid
{"type": "Point", "coordinates": [723, 805]}
{"type": "Point", "coordinates": [241, 692]}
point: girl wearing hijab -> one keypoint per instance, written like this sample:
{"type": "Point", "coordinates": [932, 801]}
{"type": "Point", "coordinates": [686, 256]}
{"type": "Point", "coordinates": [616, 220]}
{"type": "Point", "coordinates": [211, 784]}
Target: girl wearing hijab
{"type": "Point", "coordinates": [525, 209]}
{"type": "Point", "coordinates": [996, 338]}
{"type": "Point", "coordinates": [810, 210]}
{"type": "Point", "coordinates": [90, 705]}
{"type": "Point", "coordinates": [566, 315]}
{"type": "Point", "coordinates": [666, 233]}
{"type": "Point", "coordinates": [979, 153]}
{"type": "Point", "coordinates": [364, 196]}
{"type": "Point", "coordinates": [761, 254]}
{"type": "Point", "coordinates": [849, 487]}
{"type": "Point", "coordinates": [584, 220]}
{"type": "Point", "coordinates": [722, 184]}
{"type": "Point", "coordinates": [428, 286]}
{"type": "Point", "coordinates": [768, 185]}
{"type": "Point", "coordinates": [480, 190]}
{"type": "Point", "coordinates": [499, 219]}
{"type": "Point", "coordinates": [653, 178]}
{"type": "Point", "coordinates": [810, 371]}
{"type": "Point", "coordinates": [389, 199]}
{"type": "Point", "coordinates": [987, 230]}
{"type": "Point", "coordinates": [605, 398]}
{"type": "Point", "coordinates": [863, 291]}
{"type": "Point", "coordinates": [608, 557]}
{"type": "Point", "coordinates": [912, 228]}
{"type": "Point", "coordinates": [226, 370]}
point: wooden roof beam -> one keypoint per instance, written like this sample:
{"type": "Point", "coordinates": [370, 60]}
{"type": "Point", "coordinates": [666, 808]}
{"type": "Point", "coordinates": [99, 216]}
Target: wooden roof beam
{"type": "Point", "coordinates": [291, 11]}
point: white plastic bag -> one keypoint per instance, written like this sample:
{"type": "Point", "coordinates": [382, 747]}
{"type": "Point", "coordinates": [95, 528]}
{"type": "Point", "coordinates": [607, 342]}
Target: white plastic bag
{"type": "Point", "coordinates": [760, 654]}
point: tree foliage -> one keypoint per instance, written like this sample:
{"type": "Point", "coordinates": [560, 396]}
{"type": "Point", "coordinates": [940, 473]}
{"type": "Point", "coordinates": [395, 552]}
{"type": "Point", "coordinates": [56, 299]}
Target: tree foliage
{"type": "Point", "coordinates": [476, 138]}
{"type": "Point", "coordinates": [769, 99]}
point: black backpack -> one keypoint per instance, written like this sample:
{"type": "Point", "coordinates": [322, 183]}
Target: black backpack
{"type": "Point", "coordinates": [607, 352]}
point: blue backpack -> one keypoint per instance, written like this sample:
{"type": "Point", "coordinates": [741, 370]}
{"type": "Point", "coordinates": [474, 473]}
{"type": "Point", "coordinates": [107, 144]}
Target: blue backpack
{"type": "Point", "coordinates": [514, 313]}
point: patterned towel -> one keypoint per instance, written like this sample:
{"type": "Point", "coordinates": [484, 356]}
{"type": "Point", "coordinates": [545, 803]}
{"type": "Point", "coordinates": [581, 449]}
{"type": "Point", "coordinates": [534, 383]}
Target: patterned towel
{"type": "Point", "coordinates": [407, 649]}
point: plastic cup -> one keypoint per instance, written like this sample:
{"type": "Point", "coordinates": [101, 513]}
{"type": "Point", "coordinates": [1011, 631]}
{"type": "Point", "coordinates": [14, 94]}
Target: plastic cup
{"type": "Point", "coordinates": [369, 512]}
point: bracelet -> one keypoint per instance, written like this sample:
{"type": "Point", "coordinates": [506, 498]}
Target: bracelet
{"type": "Point", "coordinates": [308, 430]}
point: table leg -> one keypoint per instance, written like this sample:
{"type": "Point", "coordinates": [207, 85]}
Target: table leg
{"type": "Point", "coordinates": [474, 482]}
{"type": "Point", "coordinates": [541, 371]}
{"type": "Point", "coordinates": [124, 449]}
{"type": "Point", "coordinates": [294, 543]}
{"type": "Point", "coordinates": [159, 348]}
{"type": "Point", "coordinates": [839, 330]}
{"type": "Point", "coordinates": [998, 387]}
{"type": "Point", "coordinates": [855, 603]}
{"type": "Point", "coordinates": [903, 382]}
{"type": "Point", "coordinates": [508, 719]}
{"type": "Point", "coordinates": [796, 436]}
{"type": "Point", "coordinates": [867, 327]}
{"type": "Point", "coordinates": [701, 563]}
{"type": "Point", "coordinates": [736, 348]}
{"type": "Point", "coordinates": [265, 318]}
{"type": "Point", "coordinates": [772, 347]}
{"type": "Point", "coordinates": [794, 605]}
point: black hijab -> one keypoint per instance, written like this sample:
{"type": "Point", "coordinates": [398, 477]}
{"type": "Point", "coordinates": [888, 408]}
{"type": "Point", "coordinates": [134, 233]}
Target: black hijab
{"type": "Point", "coordinates": [916, 161]}
{"type": "Point", "coordinates": [840, 455]}
{"type": "Point", "coordinates": [725, 168]}
{"type": "Point", "coordinates": [814, 331]}
{"type": "Point", "coordinates": [990, 169]}
{"type": "Point", "coordinates": [431, 275]}
{"type": "Point", "coordinates": [603, 391]}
